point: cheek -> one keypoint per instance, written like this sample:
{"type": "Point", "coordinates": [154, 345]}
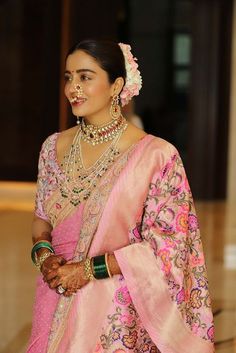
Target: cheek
{"type": "Point", "coordinates": [98, 89]}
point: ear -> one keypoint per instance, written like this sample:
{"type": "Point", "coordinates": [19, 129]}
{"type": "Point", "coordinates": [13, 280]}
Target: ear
{"type": "Point", "coordinates": [117, 86]}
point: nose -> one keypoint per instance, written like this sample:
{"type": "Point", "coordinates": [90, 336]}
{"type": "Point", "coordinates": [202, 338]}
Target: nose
{"type": "Point", "coordinates": [77, 88]}
{"type": "Point", "coordinates": [74, 87]}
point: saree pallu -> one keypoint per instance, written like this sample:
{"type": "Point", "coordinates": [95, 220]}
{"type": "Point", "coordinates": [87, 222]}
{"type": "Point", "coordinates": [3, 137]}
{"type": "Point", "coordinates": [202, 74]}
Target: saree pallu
{"type": "Point", "coordinates": [142, 210]}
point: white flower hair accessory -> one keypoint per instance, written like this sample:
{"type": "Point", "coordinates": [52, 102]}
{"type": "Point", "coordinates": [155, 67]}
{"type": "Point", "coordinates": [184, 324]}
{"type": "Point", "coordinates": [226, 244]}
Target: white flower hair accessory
{"type": "Point", "coordinates": [133, 82]}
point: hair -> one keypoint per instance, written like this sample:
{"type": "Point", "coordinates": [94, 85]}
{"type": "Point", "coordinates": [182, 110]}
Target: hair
{"type": "Point", "coordinates": [107, 53]}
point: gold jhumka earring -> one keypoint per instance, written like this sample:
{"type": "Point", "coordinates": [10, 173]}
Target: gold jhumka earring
{"type": "Point", "coordinates": [115, 110]}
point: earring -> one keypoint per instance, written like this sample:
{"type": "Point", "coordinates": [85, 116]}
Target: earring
{"type": "Point", "coordinates": [115, 110]}
{"type": "Point", "coordinates": [78, 120]}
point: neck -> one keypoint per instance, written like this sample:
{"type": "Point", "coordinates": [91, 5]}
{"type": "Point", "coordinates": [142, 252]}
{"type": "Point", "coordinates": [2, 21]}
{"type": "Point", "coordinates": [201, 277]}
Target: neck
{"type": "Point", "coordinates": [98, 119]}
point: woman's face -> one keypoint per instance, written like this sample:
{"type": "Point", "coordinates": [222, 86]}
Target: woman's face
{"type": "Point", "coordinates": [87, 86]}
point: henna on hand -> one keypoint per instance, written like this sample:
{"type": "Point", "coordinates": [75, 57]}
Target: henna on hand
{"type": "Point", "coordinates": [50, 264]}
{"type": "Point", "coordinates": [70, 276]}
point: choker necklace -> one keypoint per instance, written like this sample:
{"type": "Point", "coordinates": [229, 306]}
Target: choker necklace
{"type": "Point", "coordinates": [98, 134]}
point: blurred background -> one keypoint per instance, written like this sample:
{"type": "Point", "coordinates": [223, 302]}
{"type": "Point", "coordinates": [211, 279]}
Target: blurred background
{"type": "Point", "coordinates": [186, 51]}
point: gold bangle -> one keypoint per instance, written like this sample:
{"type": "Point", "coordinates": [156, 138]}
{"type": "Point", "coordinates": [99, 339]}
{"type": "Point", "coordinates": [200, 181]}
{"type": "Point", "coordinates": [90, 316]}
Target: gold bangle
{"type": "Point", "coordinates": [41, 259]}
{"type": "Point", "coordinates": [106, 262]}
{"type": "Point", "coordinates": [88, 272]}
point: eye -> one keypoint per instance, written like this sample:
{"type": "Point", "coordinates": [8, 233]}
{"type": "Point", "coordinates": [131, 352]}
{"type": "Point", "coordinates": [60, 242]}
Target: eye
{"type": "Point", "coordinates": [84, 77]}
{"type": "Point", "coordinates": [68, 77]}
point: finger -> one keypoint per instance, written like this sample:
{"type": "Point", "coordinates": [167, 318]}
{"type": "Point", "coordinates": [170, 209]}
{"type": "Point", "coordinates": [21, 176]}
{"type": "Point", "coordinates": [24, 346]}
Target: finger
{"type": "Point", "coordinates": [69, 293]}
{"type": "Point", "coordinates": [54, 283]}
{"type": "Point", "coordinates": [45, 271]}
{"type": "Point", "coordinates": [62, 261]}
{"type": "Point", "coordinates": [55, 264]}
{"type": "Point", "coordinates": [51, 275]}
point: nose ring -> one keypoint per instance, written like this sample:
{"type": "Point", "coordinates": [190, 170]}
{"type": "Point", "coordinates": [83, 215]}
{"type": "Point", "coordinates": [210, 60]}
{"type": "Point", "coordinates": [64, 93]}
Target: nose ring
{"type": "Point", "coordinates": [78, 88]}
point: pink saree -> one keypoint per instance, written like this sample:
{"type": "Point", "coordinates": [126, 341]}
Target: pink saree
{"type": "Point", "coordinates": [142, 210]}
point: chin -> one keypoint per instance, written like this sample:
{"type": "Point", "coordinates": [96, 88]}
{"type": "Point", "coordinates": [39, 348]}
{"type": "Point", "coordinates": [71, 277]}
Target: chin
{"type": "Point", "coordinates": [79, 111]}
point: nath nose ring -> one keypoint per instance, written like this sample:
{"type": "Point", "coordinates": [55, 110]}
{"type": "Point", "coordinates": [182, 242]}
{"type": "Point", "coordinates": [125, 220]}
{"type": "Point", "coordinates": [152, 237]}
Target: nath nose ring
{"type": "Point", "coordinates": [78, 88]}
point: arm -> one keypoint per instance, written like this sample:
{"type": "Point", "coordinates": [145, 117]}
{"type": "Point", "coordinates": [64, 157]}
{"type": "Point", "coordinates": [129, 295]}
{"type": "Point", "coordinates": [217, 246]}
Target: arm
{"type": "Point", "coordinates": [41, 230]}
{"type": "Point", "coordinates": [113, 265]}
{"type": "Point", "coordinates": [41, 227]}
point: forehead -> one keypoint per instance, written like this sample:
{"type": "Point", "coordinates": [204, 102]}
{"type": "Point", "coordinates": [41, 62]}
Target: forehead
{"type": "Point", "coordinates": [81, 60]}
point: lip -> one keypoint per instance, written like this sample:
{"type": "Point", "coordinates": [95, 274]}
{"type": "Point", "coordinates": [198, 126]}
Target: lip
{"type": "Point", "coordinates": [76, 102]}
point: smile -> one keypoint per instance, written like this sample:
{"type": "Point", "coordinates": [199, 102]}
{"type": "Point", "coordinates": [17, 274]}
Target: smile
{"type": "Point", "coordinates": [77, 101]}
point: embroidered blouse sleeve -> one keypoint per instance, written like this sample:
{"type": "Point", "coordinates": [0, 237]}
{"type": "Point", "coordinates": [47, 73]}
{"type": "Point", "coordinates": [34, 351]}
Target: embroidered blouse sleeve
{"type": "Point", "coordinates": [45, 181]}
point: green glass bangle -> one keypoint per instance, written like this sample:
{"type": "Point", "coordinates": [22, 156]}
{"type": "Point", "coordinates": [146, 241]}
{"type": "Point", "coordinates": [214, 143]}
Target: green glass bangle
{"type": "Point", "coordinates": [99, 267]}
{"type": "Point", "coordinates": [38, 246]}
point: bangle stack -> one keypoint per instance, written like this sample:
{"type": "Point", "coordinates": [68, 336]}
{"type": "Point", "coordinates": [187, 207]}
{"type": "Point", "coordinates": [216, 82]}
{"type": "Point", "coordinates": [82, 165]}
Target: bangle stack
{"type": "Point", "coordinates": [42, 244]}
{"type": "Point", "coordinates": [41, 259]}
{"type": "Point", "coordinates": [97, 267]}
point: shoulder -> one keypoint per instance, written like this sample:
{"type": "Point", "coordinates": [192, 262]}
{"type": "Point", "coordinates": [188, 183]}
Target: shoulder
{"type": "Point", "coordinates": [160, 155]}
{"type": "Point", "coordinates": [58, 139]}
{"type": "Point", "coordinates": [48, 145]}
{"type": "Point", "coordinates": [160, 147]}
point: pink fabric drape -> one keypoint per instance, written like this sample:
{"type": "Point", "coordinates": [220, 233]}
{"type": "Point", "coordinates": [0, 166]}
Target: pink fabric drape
{"type": "Point", "coordinates": [46, 300]}
{"type": "Point", "coordinates": [161, 301]}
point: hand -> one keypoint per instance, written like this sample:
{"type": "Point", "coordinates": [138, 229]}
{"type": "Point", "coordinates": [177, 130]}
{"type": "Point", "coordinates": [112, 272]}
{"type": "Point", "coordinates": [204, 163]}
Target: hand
{"type": "Point", "coordinates": [51, 263]}
{"type": "Point", "coordinates": [70, 276]}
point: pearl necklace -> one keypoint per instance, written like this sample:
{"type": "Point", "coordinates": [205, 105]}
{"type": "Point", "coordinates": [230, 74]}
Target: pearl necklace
{"type": "Point", "coordinates": [80, 181]}
{"type": "Point", "coordinates": [98, 134]}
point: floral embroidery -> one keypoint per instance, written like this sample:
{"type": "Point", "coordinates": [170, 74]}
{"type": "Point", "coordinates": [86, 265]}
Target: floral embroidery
{"type": "Point", "coordinates": [115, 335]}
{"type": "Point", "coordinates": [127, 320]}
{"type": "Point", "coordinates": [192, 222]}
{"type": "Point", "coordinates": [197, 260]}
{"type": "Point", "coordinates": [170, 243]}
{"type": "Point", "coordinates": [170, 226]}
{"type": "Point", "coordinates": [195, 298]}
{"type": "Point", "coordinates": [164, 254]}
{"type": "Point", "coordinates": [123, 327]}
{"type": "Point", "coordinates": [182, 222]}
{"type": "Point", "coordinates": [122, 296]}
{"type": "Point", "coordinates": [136, 233]}
{"type": "Point", "coordinates": [130, 340]}
{"type": "Point", "coordinates": [202, 282]}
{"type": "Point", "coordinates": [180, 296]}
{"type": "Point", "coordinates": [207, 301]}
{"type": "Point", "coordinates": [48, 175]}
{"type": "Point", "coordinates": [210, 333]}
{"type": "Point", "coordinates": [154, 349]}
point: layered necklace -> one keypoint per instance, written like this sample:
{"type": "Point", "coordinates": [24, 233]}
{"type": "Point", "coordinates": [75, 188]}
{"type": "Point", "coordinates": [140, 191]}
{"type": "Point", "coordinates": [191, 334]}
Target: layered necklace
{"type": "Point", "coordinates": [80, 181]}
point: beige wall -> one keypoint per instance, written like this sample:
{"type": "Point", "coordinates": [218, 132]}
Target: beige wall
{"type": "Point", "coordinates": [231, 191]}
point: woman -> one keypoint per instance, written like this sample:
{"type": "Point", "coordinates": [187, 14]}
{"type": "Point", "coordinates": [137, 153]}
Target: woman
{"type": "Point", "coordinates": [115, 232]}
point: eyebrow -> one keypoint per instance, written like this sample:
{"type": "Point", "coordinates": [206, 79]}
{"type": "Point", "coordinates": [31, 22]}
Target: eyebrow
{"type": "Point", "coordinates": [80, 70]}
